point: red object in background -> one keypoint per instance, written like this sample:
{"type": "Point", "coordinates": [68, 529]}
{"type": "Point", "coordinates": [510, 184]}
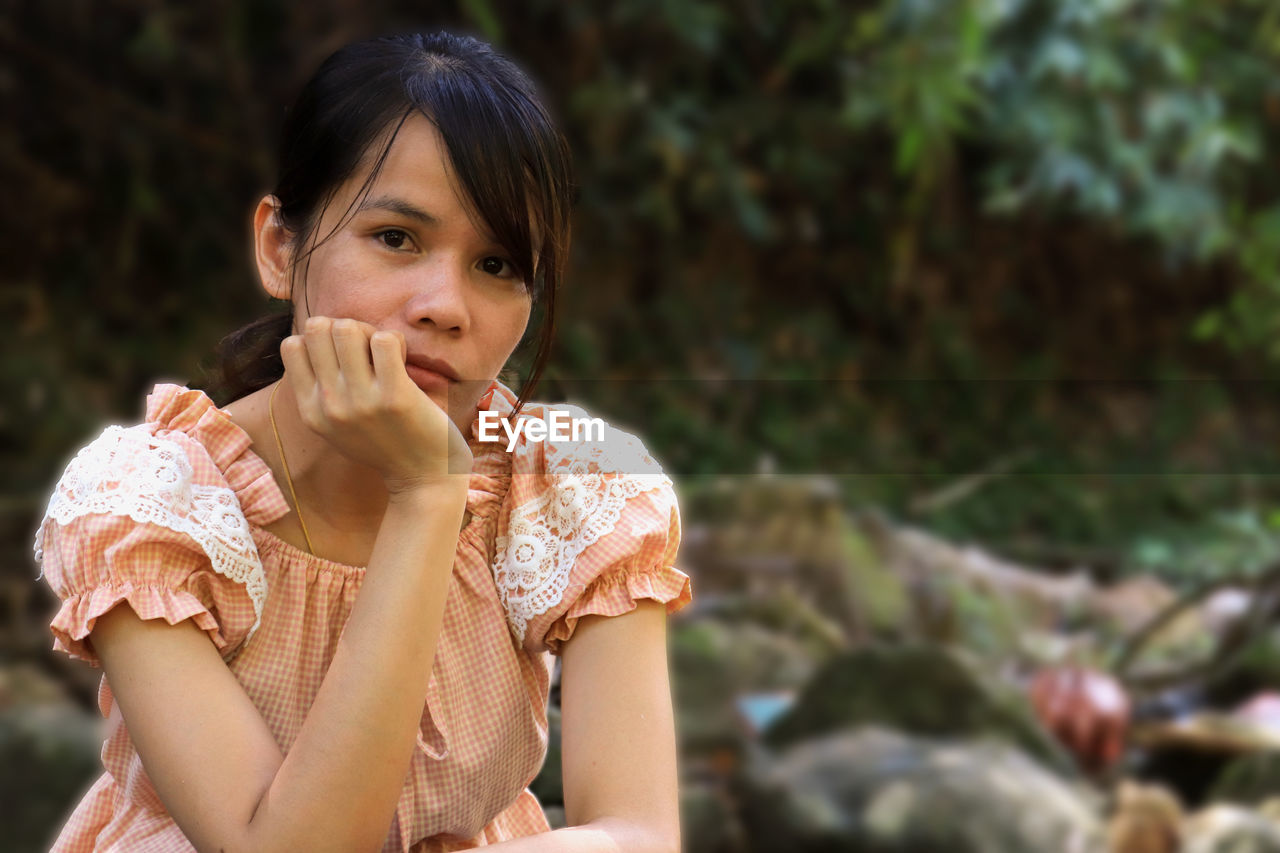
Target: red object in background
{"type": "Point", "coordinates": [1087, 710]}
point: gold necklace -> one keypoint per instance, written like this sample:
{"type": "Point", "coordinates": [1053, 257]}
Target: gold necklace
{"type": "Point", "coordinates": [287, 476]}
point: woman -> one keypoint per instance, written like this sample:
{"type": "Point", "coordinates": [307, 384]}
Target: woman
{"type": "Point", "coordinates": [340, 599]}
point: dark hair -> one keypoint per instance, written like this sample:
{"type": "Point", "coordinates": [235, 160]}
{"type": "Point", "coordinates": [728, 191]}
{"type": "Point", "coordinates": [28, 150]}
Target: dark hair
{"type": "Point", "coordinates": [506, 152]}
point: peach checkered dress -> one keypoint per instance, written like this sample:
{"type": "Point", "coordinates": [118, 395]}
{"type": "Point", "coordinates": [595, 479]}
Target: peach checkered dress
{"type": "Point", "coordinates": [168, 516]}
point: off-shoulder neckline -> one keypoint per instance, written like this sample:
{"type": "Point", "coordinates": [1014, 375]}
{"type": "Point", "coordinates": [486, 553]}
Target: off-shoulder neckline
{"type": "Point", "coordinates": [244, 450]}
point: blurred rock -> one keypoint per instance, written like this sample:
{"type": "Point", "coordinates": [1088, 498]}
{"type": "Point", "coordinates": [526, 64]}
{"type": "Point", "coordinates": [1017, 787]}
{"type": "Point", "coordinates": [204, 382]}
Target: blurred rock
{"type": "Point", "coordinates": [1231, 829]}
{"type": "Point", "coordinates": [773, 534]}
{"type": "Point", "coordinates": [1128, 604]}
{"type": "Point", "coordinates": [785, 612]}
{"type": "Point", "coordinates": [708, 821]}
{"type": "Point", "coordinates": [876, 580]}
{"type": "Point", "coordinates": [1017, 605]}
{"type": "Point", "coordinates": [1225, 607]}
{"type": "Point", "coordinates": [877, 791]}
{"type": "Point", "coordinates": [1146, 819]}
{"type": "Point", "coordinates": [1209, 732]}
{"type": "Point", "coordinates": [917, 689]}
{"type": "Point", "coordinates": [49, 748]}
{"type": "Point", "coordinates": [1262, 709]}
{"type": "Point", "coordinates": [715, 660]}
{"type": "Point", "coordinates": [1041, 598]}
{"type": "Point", "coordinates": [26, 685]}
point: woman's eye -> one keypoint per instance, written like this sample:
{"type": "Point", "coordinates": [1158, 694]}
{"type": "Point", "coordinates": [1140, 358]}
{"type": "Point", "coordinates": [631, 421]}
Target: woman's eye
{"type": "Point", "coordinates": [493, 265]}
{"type": "Point", "coordinates": [393, 238]}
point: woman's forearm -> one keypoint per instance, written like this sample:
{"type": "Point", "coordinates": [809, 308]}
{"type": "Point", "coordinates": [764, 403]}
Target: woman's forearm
{"type": "Point", "coordinates": [338, 787]}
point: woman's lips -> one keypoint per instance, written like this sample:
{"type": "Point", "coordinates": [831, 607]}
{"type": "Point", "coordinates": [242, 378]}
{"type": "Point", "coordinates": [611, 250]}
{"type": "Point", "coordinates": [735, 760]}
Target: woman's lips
{"type": "Point", "coordinates": [426, 379]}
{"type": "Point", "coordinates": [438, 365]}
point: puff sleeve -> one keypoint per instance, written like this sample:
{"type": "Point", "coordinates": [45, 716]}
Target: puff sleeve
{"type": "Point", "coordinates": [143, 518]}
{"type": "Point", "coordinates": [598, 533]}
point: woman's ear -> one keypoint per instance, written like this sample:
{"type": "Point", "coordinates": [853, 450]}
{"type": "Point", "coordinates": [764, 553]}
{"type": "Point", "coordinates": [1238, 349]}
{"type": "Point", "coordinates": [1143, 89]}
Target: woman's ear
{"type": "Point", "coordinates": [273, 248]}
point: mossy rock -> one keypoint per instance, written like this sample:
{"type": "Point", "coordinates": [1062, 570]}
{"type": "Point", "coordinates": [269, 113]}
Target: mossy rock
{"type": "Point", "coordinates": [715, 660]}
{"type": "Point", "coordinates": [875, 791]}
{"type": "Point", "coordinates": [918, 689]}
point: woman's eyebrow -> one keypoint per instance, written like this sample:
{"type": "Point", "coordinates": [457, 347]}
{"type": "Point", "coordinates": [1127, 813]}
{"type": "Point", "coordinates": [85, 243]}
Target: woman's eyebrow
{"type": "Point", "coordinates": [398, 206]}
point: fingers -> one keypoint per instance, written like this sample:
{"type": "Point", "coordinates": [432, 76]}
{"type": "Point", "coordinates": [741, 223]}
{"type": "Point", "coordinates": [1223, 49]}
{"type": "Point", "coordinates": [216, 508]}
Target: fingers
{"type": "Point", "coordinates": [329, 364]}
{"type": "Point", "coordinates": [389, 351]}
{"type": "Point", "coordinates": [318, 336]}
{"type": "Point", "coordinates": [338, 354]}
{"type": "Point", "coordinates": [341, 366]}
{"type": "Point", "coordinates": [351, 346]}
{"type": "Point", "coordinates": [297, 365]}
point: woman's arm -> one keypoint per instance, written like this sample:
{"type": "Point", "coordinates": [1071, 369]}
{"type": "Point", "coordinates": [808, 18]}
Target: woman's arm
{"type": "Point", "coordinates": [618, 740]}
{"type": "Point", "coordinates": [209, 753]}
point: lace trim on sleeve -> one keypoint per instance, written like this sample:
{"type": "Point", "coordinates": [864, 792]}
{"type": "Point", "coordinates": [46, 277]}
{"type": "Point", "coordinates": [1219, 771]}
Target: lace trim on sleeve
{"type": "Point", "coordinates": [130, 471]}
{"type": "Point", "coordinates": [534, 558]}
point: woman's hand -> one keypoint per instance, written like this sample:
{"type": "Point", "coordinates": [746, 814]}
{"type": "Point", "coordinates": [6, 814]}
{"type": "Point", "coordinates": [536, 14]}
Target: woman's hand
{"type": "Point", "coordinates": [352, 389]}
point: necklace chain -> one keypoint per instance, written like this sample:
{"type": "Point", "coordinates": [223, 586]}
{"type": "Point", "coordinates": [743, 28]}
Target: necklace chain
{"type": "Point", "coordinates": [284, 462]}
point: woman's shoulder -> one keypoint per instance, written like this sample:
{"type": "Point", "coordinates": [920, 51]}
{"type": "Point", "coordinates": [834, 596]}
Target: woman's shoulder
{"type": "Point", "coordinates": [184, 442]}
{"type": "Point", "coordinates": [186, 467]}
{"type": "Point", "coordinates": [124, 465]}
{"type": "Point", "coordinates": [164, 504]}
{"type": "Point", "coordinates": [171, 412]}
{"type": "Point", "coordinates": [587, 499]}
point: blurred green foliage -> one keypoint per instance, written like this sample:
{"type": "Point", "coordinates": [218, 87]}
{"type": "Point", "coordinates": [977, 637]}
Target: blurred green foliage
{"type": "Point", "coordinates": [914, 240]}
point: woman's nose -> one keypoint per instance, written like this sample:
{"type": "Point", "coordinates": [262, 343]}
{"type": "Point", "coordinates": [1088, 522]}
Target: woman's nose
{"type": "Point", "coordinates": [439, 296]}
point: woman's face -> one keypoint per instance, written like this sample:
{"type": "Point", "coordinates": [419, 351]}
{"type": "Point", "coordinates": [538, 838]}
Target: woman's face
{"type": "Point", "coordinates": [411, 260]}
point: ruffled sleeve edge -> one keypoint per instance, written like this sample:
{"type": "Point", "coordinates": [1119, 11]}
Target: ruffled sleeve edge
{"type": "Point", "coordinates": [80, 611]}
{"type": "Point", "coordinates": [191, 412]}
{"type": "Point", "coordinates": [618, 592]}
{"type": "Point", "coordinates": [209, 515]}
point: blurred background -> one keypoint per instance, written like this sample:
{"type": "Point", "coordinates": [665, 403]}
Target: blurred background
{"type": "Point", "coordinates": [955, 322]}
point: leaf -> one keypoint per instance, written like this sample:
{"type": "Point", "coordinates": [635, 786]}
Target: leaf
{"type": "Point", "coordinates": [910, 144]}
{"type": "Point", "coordinates": [1209, 326]}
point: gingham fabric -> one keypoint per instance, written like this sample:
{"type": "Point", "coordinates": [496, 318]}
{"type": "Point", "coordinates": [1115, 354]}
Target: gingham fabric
{"type": "Point", "coordinates": [555, 533]}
